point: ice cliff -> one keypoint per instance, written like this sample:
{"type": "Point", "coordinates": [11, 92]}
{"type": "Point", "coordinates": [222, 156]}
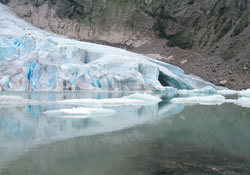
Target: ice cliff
{"type": "Point", "coordinates": [36, 60]}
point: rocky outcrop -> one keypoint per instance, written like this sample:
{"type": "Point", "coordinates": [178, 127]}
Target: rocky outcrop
{"type": "Point", "coordinates": [217, 30]}
{"type": "Point", "coordinates": [215, 27]}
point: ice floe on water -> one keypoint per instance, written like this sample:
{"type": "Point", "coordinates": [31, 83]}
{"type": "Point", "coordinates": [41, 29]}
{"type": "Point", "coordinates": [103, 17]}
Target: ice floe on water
{"type": "Point", "coordinates": [150, 99]}
{"type": "Point", "coordinates": [205, 96]}
{"type": "Point", "coordinates": [244, 93]}
{"type": "Point", "coordinates": [81, 113]}
{"type": "Point", "coordinates": [197, 92]}
{"type": "Point", "coordinates": [211, 96]}
{"type": "Point", "coordinates": [96, 106]}
{"type": "Point", "coordinates": [134, 99]}
{"type": "Point", "coordinates": [243, 101]}
{"type": "Point", "coordinates": [227, 92]}
{"type": "Point", "coordinates": [203, 100]}
{"type": "Point", "coordinates": [207, 91]}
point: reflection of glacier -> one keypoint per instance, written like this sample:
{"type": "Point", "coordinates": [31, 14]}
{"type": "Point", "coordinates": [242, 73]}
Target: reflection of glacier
{"type": "Point", "coordinates": [26, 127]}
{"type": "Point", "coordinates": [32, 59]}
{"type": "Point", "coordinates": [222, 128]}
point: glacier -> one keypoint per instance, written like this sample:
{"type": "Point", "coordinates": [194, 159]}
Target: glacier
{"type": "Point", "coordinates": [36, 60]}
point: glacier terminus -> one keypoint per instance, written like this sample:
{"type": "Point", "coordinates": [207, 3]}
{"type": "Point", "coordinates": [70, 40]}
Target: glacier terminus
{"type": "Point", "coordinates": [37, 60]}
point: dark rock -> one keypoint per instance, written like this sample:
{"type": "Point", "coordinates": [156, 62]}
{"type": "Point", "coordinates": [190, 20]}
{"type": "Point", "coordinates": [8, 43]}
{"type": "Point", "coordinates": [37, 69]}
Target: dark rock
{"type": "Point", "coordinates": [180, 40]}
{"type": "Point", "coordinates": [4, 1]}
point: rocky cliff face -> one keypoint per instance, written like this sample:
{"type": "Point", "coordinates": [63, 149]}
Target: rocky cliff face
{"type": "Point", "coordinates": [209, 38]}
{"type": "Point", "coordinates": [216, 27]}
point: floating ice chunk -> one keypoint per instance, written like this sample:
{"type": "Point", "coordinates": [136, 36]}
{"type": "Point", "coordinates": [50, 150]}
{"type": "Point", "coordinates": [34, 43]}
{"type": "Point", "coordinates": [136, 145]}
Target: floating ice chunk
{"type": "Point", "coordinates": [230, 100]}
{"type": "Point", "coordinates": [81, 112]}
{"type": "Point", "coordinates": [243, 101]}
{"type": "Point", "coordinates": [227, 92]}
{"type": "Point", "coordinates": [102, 102]}
{"type": "Point", "coordinates": [203, 100]}
{"type": "Point", "coordinates": [244, 93]}
{"type": "Point", "coordinates": [196, 92]}
{"type": "Point", "coordinates": [145, 97]}
{"type": "Point", "coordinates": [135, 99]}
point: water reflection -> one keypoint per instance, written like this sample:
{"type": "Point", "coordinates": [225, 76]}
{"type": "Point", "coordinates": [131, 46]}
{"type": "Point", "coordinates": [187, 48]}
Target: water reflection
{"type": "Point", "coordinates": [25, 127]}
{"type": "Point", "coordinates": [167, 138]}
{"type": "Point", "coordinates": [51, 96]}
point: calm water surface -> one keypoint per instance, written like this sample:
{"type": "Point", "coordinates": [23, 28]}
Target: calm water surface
{"type": "Point", "coordinates": [153, 140]}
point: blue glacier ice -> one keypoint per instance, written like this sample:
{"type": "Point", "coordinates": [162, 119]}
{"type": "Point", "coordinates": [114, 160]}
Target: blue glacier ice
{"type": "Point", "coordinates": [37, 60]}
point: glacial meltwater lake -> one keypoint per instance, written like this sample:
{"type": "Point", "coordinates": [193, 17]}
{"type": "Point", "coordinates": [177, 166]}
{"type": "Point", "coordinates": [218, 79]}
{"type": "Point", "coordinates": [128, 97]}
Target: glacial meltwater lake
{"type": "Point", "coordinates": [157, 139]}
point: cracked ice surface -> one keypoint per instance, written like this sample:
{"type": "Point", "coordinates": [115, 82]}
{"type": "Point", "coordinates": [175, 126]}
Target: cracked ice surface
{"type": "Point", "coordinates": [37, 60]}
